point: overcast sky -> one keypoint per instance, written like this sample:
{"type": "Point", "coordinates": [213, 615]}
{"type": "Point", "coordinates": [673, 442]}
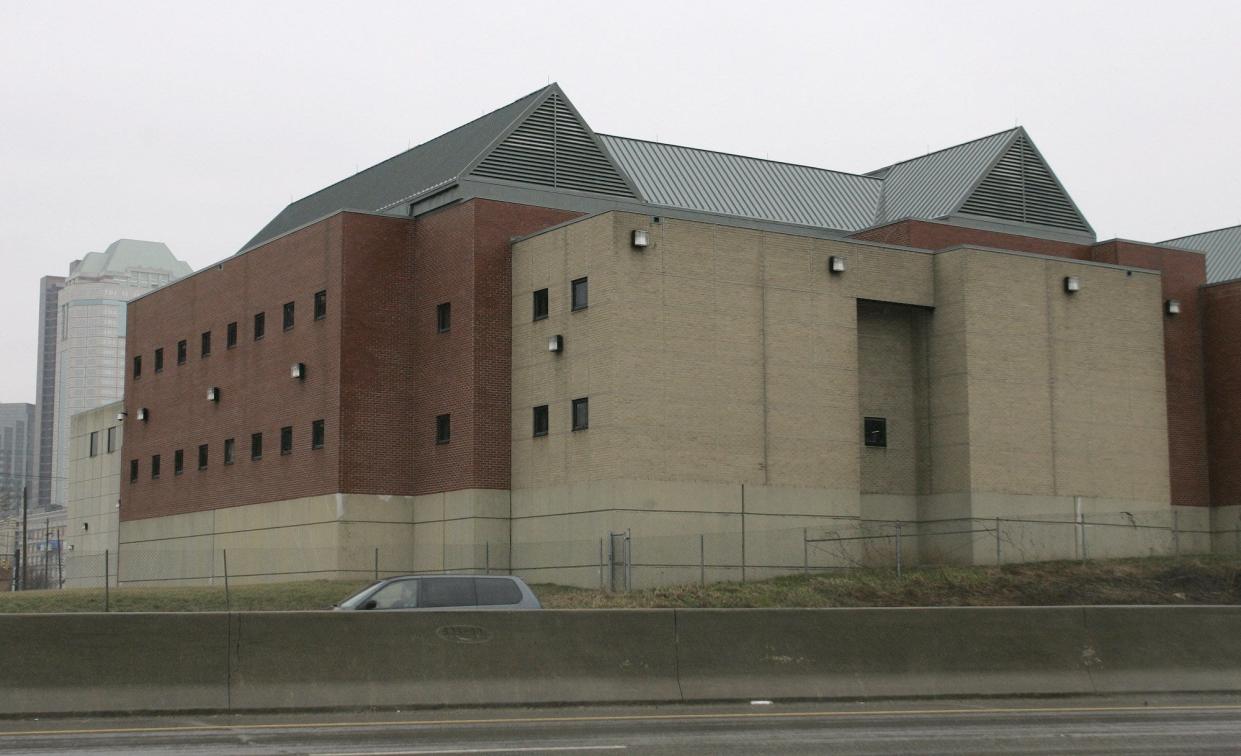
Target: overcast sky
{"type": "Point", "coordinates": [195, 124]}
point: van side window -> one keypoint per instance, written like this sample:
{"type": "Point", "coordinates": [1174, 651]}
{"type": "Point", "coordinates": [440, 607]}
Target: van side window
{"type": "Point", "coordinates": [403, 594]}
{"type": "Point", "coordinates": [496, 591]}
{"type": "Point", "coordinates": [447, 592]}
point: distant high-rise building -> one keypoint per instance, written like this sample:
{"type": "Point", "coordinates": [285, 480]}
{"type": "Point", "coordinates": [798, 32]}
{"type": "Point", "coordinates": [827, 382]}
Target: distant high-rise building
{"type": "Point", "coordinates": [90, 336]}
{"type": "Point", "coordinates": [45, 393]}
{"type": "Point", "coordinates": [16, 456]}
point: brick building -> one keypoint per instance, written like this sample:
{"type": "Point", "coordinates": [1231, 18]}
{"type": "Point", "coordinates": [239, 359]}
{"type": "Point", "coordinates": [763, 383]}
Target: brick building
{"type": "Point", "coordinates": [508, 344]}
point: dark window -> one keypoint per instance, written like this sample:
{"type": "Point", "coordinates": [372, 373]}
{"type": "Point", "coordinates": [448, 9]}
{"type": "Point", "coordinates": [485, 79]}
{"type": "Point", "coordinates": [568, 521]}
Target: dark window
{"type": "Point", "coordinates": [229, 450]}
{"type": "Point", "coordinates": [202, 456]}
{"type": "Point", "coordinates": [260, 325]}
{"type": "Point", "coordinates": [581, 413]}
{"type": "Point", "coordinates": [178, 462]}
{"type": "Point", "coordinates": [230, 335]}
{"type": "Point", "coordinates": [94, 443]}
{"type": "Point", "coordinates": [496, 591]}
{"type": "Point", "coordinates": [133, 471]}
{"type": "Point", "coordinates": [182, 351]}
{"type": "Point", "coordinates": [399, 594]}
{"type": "Point", "coordinates": [875, 431]}
{"type": "Point", "coordinates": [540, 304]}
{"type": "Point", "coordinates": [111, 439]}
{"type": "Point", "coordinates": [286, 439]}
{"type": "Point", "coordinates": [138, 366]}
{"type": "Point", "coordinates": [316, 434]}
{"type": "Point", "coordinates": [443, 429]}
{"type": "Point", "coordinates": [159, 360]}
{"type": "Point", "coordinates": [288, 315]}
{"type": "Point", "coordinates": [580, 300]}
{"type": "Point", "coordinates": [540, 420]}
{"type": "Point", "coordinates": [154, 466]}
{"type": "Point", "coordinates": [206, 339]}
{"type": "Point", "coordinates": [256, 446]}
{"type": "Point", "coordinates": [443, 317]}
{"type": "Point", "coordinates": [320, 305]}
{"type": "Point", "coordinates": [433, 592]}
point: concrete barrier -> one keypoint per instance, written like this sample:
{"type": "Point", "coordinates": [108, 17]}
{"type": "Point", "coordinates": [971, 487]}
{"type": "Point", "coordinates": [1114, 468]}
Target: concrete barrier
{"type": "Point", "coordinates": [82, 663]}
{"type": "Point", "coordinates": [113, 662]}
{"type": "Point", "coordinates": [867, 653]}
{"type": "Point", "coordinates": [298, 660]}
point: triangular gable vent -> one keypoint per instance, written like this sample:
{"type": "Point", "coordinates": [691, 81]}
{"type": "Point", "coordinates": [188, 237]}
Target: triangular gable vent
{"type": "Point", "coordinates": [553, 148]}
{"type": "Point", "coordinates": [1022, 188]}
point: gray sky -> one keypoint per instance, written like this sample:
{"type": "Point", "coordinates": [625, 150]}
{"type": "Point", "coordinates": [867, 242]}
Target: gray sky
{"type": "Point", "coordinates": [195, 127]}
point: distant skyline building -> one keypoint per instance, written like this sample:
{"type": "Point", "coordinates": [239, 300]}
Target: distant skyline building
{"type": "Point", "coordinates": [45, 392]}
{"type": "Point", "coordinates": [89, 332]}
{"type": "Point", "coordinates": [16, 457]}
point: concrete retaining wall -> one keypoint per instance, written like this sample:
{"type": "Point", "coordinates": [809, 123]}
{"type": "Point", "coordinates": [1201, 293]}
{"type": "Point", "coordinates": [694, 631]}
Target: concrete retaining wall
{"type": "Point", "coordinates": [78, 663]}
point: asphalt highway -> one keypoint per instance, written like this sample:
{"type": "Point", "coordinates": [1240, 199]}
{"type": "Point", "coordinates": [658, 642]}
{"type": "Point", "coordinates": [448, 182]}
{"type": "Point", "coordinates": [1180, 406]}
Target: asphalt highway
{"type": "Point", "coordinates": [1122, 725]}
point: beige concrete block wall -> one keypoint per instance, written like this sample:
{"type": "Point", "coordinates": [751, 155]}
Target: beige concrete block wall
{"type": "Point", "coordinates": [91, 525]}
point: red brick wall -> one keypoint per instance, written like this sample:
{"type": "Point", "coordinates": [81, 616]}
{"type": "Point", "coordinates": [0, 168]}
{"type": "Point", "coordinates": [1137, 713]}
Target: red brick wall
{"type": "Point", "coordinates": [257, 394]}
{"type": "Point", "coordinates": [929, 235]}
{"type": "Point", "coordinates": [1222, 334]}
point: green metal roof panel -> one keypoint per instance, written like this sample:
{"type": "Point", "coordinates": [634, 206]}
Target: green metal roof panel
{"type": "Point", "coordinates": [937, 184]}
{"type": "Point", "coordinates": [1222, 248]}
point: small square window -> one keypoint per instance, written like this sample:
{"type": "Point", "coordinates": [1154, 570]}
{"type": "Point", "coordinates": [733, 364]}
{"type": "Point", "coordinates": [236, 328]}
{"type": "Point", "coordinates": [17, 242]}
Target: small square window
{"type": "Point", "coordinates": [320, 305]}
{"type": "Point", "coordinates": [540, 304]}
{"type": "Point", "coordinates": [581, 413]}
{"type": "Point", "coordinates": [230, 335]}
{"type": "Point", "coordinates": [288, 315]}
{"type": "Point", "coordinates": [286, 439]}
{"type": "Point", "coordinates": [133, 471]}
{"type": "Point", "coordinates": [443, 317]}
{"type": "Point", "coordinates": [230, 450]}
{"type": "Point", "coordinates": [206, 341]}
{"type": "Point", "coordinates": [111, 439]}
{"type": "Point", "coordinates": [154, 466]}
{"type": "Point", "coordinates": [183, 350]}
{"type": "Point", "coordinates": [94, 443]}
{"type": "Point", "coordinates": [159, 360]}
{"type": "Point", "coordinates": [260, 325]}
{"type": "Point", "coordinates": [580, 299]}
{"type": "Point", "coordinates": [875, 431]}
{"type": "Point", "coordinates": [443, 429]}
{"type": "Point", "coordinates": [202, 456]}
{"type": "Point", "coordinates": [540, 420]}
{"type": "Point", "coordinates": [178, 461]}
{"type": "Point", "coordinates": [138, 366]}
{"type": "Point", "coordinates": [316, 434]}
{"type": "Point", "coordinates": [256, 446]}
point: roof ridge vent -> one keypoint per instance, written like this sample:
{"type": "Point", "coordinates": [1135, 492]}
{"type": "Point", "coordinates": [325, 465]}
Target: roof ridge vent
{"type": "Point", "coordinates": [1021, 187]}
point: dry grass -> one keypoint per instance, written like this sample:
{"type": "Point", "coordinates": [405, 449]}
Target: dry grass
{"type": "Point", "coordinates": [1157, 580]}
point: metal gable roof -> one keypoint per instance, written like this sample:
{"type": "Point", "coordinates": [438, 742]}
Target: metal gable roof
{"type": "Point", "coordinates": [1222, 248]}
{"type": "Point", "coordinates": [430, 164]}
{"type": "Point", "coordinates": [718, 182]}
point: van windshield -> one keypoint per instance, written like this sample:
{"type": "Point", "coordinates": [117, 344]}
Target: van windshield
{"type": "Point", "coordinates": [353, 601]}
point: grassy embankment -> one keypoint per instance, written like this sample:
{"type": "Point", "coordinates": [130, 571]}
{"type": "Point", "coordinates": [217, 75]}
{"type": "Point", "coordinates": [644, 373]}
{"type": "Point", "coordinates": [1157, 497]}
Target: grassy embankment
{"type": "Point", "coordinates": [1156, 580]}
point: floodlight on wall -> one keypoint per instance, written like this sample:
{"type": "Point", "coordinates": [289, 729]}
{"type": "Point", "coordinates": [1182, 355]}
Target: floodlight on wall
{"type": "Point", "coordinates": [213, 394]}
{"type": "Point", "coordinates": [1072, 284]}
{"type": "Point", "coordinates": [298, 371]}
{"type": "Point", "coordinates": [835, 264]}
{"type": "Point", "coordinates": [1173, 306]}
{"type": "Point", "coordinates": [555, 343]}
{"type": "Point", "coordinates": [143, 414]}
{"type": "Point", "coordinates": [120, 416]}
{"type": "Point", "coordinates": [641, 238]}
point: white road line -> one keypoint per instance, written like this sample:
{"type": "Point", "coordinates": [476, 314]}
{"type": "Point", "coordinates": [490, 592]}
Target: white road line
{"type": "Point", "coordinates": [543, 749]}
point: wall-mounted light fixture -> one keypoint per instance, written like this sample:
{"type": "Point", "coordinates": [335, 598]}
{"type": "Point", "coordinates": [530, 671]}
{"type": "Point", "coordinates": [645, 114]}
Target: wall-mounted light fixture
{"type": "Point", "coordinates": [120, 416]}
{"type": "Point", "coordinates": [1173, 306]}
{"type": "Point", "coordinates": [641, 238]}
{"type": "Point", "coordinates": [298, 371]}
{"type": "Point", "coordinates": [555, 343]}
{"type": "Point", "coordinates": [835, 264]}
{"type": "Point", "coordinates": [143, 414]}
{"type": "Point", "coordinates": [213, 394]}
{"type": "Point", "coordinates": [1072, 284]}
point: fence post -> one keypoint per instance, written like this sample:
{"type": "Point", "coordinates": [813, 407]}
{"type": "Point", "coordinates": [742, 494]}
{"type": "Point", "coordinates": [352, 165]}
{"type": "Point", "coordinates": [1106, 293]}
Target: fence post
{"type": "Point", "coordinates": [106, 581]}
{"type": "Point", "coordinates": [601, 564]}
{"type": "Point", "coordinates": [228, 600]}
{"type": "Point", "coordinates": [487, 558]}
{"type": "Point", "coordinates": [1083, 522]}
{"type": "Point", "coordinates": [628, 560]}
{"type": "Point", "coordinates": [805, 551]}
{"type": "Point", "coordinates": [999, 558]}
{"type": "Point", "coordinates": [1176, 533]}
{"type": "Point", "coordinates": [376, 562]}
{"type": "Point", "coordinates": [898, 549]}
{"type": "Point", "coordinates": [702, 559]}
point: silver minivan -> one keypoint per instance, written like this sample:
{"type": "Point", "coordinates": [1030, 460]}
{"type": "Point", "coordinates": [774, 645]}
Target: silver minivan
{"type": "Point", "coordinates": [493, 592]}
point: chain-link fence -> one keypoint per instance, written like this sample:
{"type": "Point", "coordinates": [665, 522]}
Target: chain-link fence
{"type": "Point", "coordinates": [622, 560]}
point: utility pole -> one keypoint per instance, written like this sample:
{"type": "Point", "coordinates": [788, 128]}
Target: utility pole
{"type": "Point", "coordinates": [25, 554]}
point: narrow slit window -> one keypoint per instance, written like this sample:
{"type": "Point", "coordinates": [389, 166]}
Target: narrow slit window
{"type": "Point", "coordinates": [286, 439]}
{"type": "Point", "coordinates": [316, 434]}
{"type": "Point", "coordinates": [178, 461]}
{"type": "Point", "coordinates": [288, 315]}
{"type": "Point", "coordinates": [256, 446]}
{"type": "Point", "coordinates": [580, 294]}
{"type": "Point", "coordinates": [540, 420]}
{"type": "Point", "coordinates": [202, 456]}
{"type": "Point", "coordinates": [443, 317]}
{"type": "Point", "coordinates": [581, 413]}
{"type": "Point", "coordinates": [540, 304]}
{"type": "Point", "coordinates": [320, 305]}
{"type": "Point", "coordinates": [230, 337]}
{"type": "Point", "coordinates": [230, 450]}
{"type": "Point", "coordinates": [443, 429]}
{"type": "Point", "coordinates": [260, 325]}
